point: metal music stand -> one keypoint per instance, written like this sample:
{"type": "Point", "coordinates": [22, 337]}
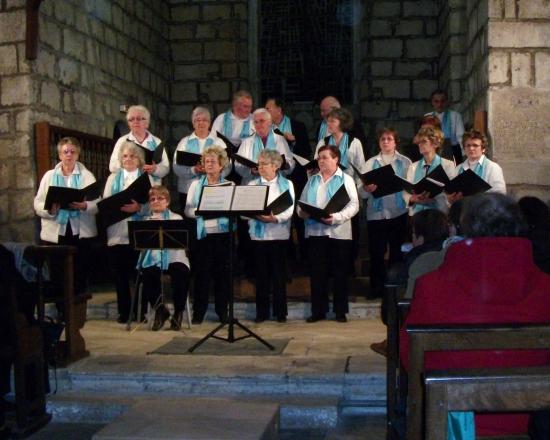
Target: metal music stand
{"type": "Point", "coordinates": [231, 321]}
{"type": "Point", "coordinates": [155, 235]}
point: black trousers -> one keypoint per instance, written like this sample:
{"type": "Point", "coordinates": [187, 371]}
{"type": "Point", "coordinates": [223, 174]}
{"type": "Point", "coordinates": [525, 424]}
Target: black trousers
{"type": "Point", "coordinates": [212, 257]}
{"type": "Point", "coordinates": [383, 234]}
{"type": "Point", "coordinates": [179, 281]}
{"type": "Point", "coordinates": [329, 256]}
{"type": "Point", "coordinates": [270, 276]}
{"type": "Point", "coordinates": [122, 260]}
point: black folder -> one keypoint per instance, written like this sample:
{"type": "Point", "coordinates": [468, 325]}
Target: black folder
{"type": "Point", "coordinates": [151, 156]}
{"type": "Point", "coordinates": [187, 158]}
{"type": "Point", "coordinates": [434, 183]}
{"type": "Point", "coordinates": [384, 178]}
{"type": "Point", "coordinates": [109, 208]}
{"type": "Point", "coordinates": [280, 204]}
{"type": "Point", "coordinates": [231, 147]}
{"type": "Point", "coordinates": [338, 202]}
{"type": "Point", "coordinates": [65, 196]}
{"type": "Point", "coordinates": [245, 161]}
{"type": "Point", "coordinates": [306, 163]}
{"type": "Point", "coordinates": [468, 183]}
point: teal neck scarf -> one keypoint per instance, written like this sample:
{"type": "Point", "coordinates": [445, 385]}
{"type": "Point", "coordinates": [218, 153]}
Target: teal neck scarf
{"type": "Point", "coordinates": [322, 130]}
{"type": "Point", "coordinates": [151, 144]}
{"type": "Point", "coordinates": [378, 203]}
{"type": "Point", "coordinates": [257, 228]}
{"type": "Point", "coordinates": [334, 185]}
{"type": "Point", "coordinates": [118, 185]}
{"type": "Point", "coordinates": [193, 144]}
{"type": "Point", "coordinates": [446, 127]}
{"type": "Point", "coordinates": [419, 174]}
{"type": "Point", "coordinates": [64, 215]}
{"type": "Point", "coordinates": [258, 145]}
{"type": "Point", "coordinates": [223, 222]}
{"type": "Point", "coordinates": [228, 126]}
{"type": "Point", "coordinates": [343, 147]}
{"type": "Point", "coordinates": [155, 257]}
{"type": "Point", "coordinates": [461, 425]}
{"type": "Point", "coordinates": [285, 126]}
{"type": "Point", "coordinates": [479, 168]}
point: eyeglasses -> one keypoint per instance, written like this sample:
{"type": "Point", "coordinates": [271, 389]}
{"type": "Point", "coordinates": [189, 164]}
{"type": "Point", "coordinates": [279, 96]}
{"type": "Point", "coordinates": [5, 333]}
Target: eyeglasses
{"type": "Point", "coordinates": [67, 152]}
{"type": "Point", "coordinates": [264, 164]}
{"type": "Point", "coordinates": [157, 198]}
{"type": "Point", "coordinates": [137, 119]}
{"type": "Point", "coordinates": [469, 145]}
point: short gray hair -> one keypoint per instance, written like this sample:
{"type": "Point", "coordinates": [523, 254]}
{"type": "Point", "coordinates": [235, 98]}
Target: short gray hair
{"type": "Point", "coordinates": [200, 111]}
{"type": "Point", "coordinates": [217, 151]}
{"type": "Point", "coordinates": [140, 109]}
{"type": "Point", "coordinates": [133, 148]}
{"type": "Point", "coordinates": [262, 111]}
{"type": "Point", "coordinates": [272, 156]}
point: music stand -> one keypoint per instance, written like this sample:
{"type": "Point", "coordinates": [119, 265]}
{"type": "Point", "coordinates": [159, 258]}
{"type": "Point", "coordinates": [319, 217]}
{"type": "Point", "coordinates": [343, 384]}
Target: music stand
{"type": "Point", "coordinates": [154, 235]}
{"type": "Point", "coordinates": [219, 206]}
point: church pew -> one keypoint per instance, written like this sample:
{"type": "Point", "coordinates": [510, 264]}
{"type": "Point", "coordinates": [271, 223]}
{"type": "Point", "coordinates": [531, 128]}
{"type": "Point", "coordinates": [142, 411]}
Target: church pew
{"type": "Point", "coordinates": [510, 389]}
{"type": "Point", "coordinates": [425, 338]}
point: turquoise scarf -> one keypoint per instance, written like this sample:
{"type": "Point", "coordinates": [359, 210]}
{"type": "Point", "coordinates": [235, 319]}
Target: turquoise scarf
{"type": "Point", "coordinates": [378, 203]}
{"type": "Point", "coordinates": [446, 126]}
{"type": "Point", "coordinates": [334, 185]}
{"type": "Point", "coordinates": [479, 170]}
{"type": "Point", "coordinates": [256, 227]}
{"type": "Point", "coordinates": [193, 144]}
{"type": "Point", "coordinates": [285, 126]}
{"type": "Point", "coordinates": [343, 147]}
{"type": "Point", "coordinates": [258, 145]}
{"type": "Point", "coordinates": [155, 257]}
{"type": "Point", "coordinates": [461, 425]}
{"type": "Point", "coordinates": [419, 174]}
{"type": "Point", "coordinates": [228, 126]}
{"type": "Point", "coordinates": [63, 215]}
{"type": "Point", "coordinates": [151, 144]}
{"type": "Point", "coordinates": [223, 222]}
{"type": "Point", "coordinates": [322, 130]}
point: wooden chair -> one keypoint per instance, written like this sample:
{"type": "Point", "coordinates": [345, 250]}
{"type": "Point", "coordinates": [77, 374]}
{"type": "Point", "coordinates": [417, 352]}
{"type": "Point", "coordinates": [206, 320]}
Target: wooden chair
{"type": "Point", "coordinates": [26, 352]}
{"type": "Point", "coordinates": [397, 308]}
{"type": "Point", "coordinates": [510, 389]}
{"type": "Point", "coordinates": [74, 306]}
{"type": "Point", "coordinates": [425, 338]}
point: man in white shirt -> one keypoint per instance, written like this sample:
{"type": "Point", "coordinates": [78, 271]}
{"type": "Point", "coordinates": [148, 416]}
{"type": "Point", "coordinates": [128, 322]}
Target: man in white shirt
{"type": "Point", "coordinates": [236, 124]}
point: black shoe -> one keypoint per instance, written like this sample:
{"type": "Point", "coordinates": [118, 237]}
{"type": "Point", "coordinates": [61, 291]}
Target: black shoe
{"type": "Point", "coordinates": [196, 320]}
{"type": "Point", "coordinates": [341, 318]}
{"type": "Point", "coordinates": [259, 319]}
{"type": "Point", "coordinates": [161, 316]}
{"type": "Point", "coordinates": [122, 319]}
{"type": "Point", "coordinates": [281, 318]}
{"type": "Point", "coordinates": [175, 321]}
{"type": "Point", "coordinates": [315, 318]}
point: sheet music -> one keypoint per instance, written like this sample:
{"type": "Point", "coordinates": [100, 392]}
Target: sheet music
{"type": "Point", "coordinates": [250, 198]}
{"type": "Point", "coordinates": [216, 198]}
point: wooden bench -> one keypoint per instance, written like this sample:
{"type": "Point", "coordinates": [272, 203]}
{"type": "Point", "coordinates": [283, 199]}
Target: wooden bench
{"type": "Point", "coordinates": [510, 389]}
{"type": "Point", "coordinates": [425, 338]}
{"type": "Point", "coordinates": [62, 293]}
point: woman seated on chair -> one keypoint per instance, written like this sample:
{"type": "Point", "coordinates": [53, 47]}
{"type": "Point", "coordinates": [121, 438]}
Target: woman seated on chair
{"type": "Point", "coordinates": [269, 234]}
{"type": "Point", "coordinates": [153, 262]}
{"type": "Point", "coordinates": [212, 245]}
{"type": "Point", "coordinates": [122, 257]}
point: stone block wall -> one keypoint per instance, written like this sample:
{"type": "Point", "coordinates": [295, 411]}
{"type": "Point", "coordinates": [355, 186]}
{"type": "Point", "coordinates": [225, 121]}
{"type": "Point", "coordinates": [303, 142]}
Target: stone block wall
{"type": "Point", "coordinates": [400, 46]}
{"type": "Point", "coordinates": [518, 93]}
{"type": "Point", "coordinates": [209, 42]}
{"type": "Point", "coordinates": [93, 56]}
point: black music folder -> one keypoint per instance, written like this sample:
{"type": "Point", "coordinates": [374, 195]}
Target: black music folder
{"type": "Point", "coordinates": [187, 158]}
{"type": "Point", "coordinates": [109, 208]}
{"type": "Point", "coordinates": [468, 183]}
{"type": "Point", "coordinates": [231, 147]}
{"type": "Point", "coordinates": [384, 178]}
{"type": "Point", "coordinates": [280, 204]}
{"type": "Point", "coordinates": [151, 156]}
{"type": "Point", "coordinates": [434, 183]}
{"type": "Point", "coordinates": [65, 196]}
{"type": "Point", "coordinates": [338, 202]}
{"type": "Point", "coordinates": [158, 234]}
{"type": "Point", "coordinates": [245, 161]}
{"type": "Point", "coordinates": [306, 163]}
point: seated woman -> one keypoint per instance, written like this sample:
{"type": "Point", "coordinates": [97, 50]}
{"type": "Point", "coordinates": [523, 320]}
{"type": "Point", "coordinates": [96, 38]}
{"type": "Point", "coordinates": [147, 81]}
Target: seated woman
{"type": "Point", "coordinates": [122, 257]}
{"type": "Point", "coordinates": [269, 234]}
{"type": "Point", "coordinates": [74, 226]}
{"type": "Point", "coordinates": [212, 245]}
{"type": "Point", "coordinates": [489, 277]}
{"type": "Point", "coordinates": [429, 143]}
{"type": "Point", "coordinates": [153, 262]}
{"type": "Point", "coordinates": [329, 240]}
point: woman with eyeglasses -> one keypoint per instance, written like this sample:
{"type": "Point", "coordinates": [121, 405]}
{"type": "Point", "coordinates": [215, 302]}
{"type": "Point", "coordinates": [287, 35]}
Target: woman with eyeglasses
{"type": "Point", "coordinates": [74, 226]}
{"type": "Point", "coordinates": [155, 261]}
{"type": "Point", "coordinates": [212, 245]}
{"type": "Point", "coordinates": [138, 118]}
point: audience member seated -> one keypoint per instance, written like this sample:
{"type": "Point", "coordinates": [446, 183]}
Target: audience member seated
{"type": "Point", "coordinates": [537, 216]}
{"type": "Point", "coordinates": [489, 277]}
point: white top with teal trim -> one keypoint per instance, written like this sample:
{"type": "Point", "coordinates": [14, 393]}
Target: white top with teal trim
{"type": "Point", "coordinates": [492, 173]}
{"type": "Point", "coordinates": [236, 126]}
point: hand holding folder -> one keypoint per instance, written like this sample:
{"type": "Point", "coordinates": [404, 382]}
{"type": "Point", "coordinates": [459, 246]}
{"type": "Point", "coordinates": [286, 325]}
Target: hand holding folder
{"type": "Point", "coordinates": [338, 202]}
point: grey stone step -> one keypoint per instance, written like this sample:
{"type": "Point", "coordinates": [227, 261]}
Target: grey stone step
{"type": "Point", "coordinates": [194, 419]}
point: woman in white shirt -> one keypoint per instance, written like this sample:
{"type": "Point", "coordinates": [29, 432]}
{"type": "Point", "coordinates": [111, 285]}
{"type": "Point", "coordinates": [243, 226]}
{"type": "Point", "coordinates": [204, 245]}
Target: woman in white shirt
{"type": "Point", "coordinates": [429, 142]}
{"type": "Point", "coordinates": [386, 216]}
{"type": "Point", "coordinates": [213, 244]}
{"type": "Point", "coordinates": [122, 256]}
{"type": "Point", "coordinates": [74, 226]}
{"type": "Point", "coordinates": [138, 118]}
{"type": "Point", "coordinates": [269, 234]}
{"type": "Point", "coordinates": [196, 142]}
{"type": "Point", "coordinates": [329, 239]}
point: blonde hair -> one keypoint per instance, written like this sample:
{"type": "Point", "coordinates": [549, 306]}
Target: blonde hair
{"type": "Point", "coordinates": [217, 151]}
{"type": "Point", "coordinates": [160, 190]}
{"type": "Point", "coordinates": [434, 135]}
{"type": "Point", "coordinates": [132, 148]}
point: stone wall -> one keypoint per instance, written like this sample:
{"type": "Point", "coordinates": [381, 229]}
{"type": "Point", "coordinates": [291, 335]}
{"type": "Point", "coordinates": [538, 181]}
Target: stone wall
{"type": "Point", "coordinates": [518, 94]}
{"type": "Point", "coordinates": [93, 56]}
{"type": "Point", "coordinates": [209, 41]}
{"type": "Point", "coordinates": [400, 46]}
